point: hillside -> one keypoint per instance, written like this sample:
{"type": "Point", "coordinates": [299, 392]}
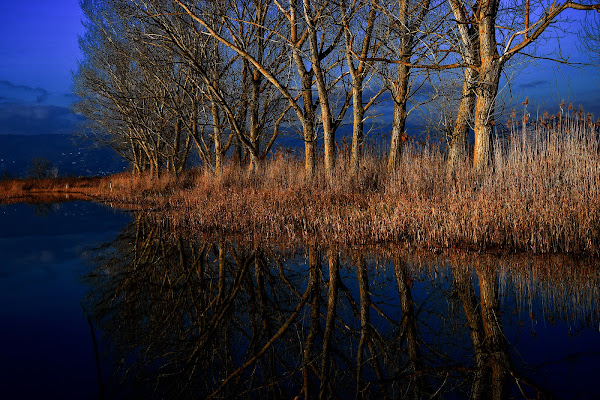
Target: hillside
{"type": "Point", "coordinates": [69, 156]}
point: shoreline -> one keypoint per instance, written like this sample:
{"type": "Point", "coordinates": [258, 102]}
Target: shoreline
{"type": "Point", "coordinates": [421, 207]}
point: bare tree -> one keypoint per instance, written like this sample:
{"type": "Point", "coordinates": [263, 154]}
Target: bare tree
{"type": "Point", "coordinates": [104, 84]}
{"type": "Point", "coordinates": [468, 44]}
{"type": "Point", "coordinates": [309, 33]}
{"type": "Point", "coordinates": [407, 42]}
{"type": "Point", "coordinates": [359, 23]}
{"type": "Point", "coordinates": [131, 92]}
{"type": "Point", "coordinates": [503, 31]}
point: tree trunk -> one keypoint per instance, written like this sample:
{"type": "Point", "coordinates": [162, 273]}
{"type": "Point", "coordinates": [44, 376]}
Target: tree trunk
{"type": "Point", "coordinates": [358, 125]}
{"type": "Point", "coordinates": [254, 123]}
{"type": "Point", "coordinates": [308, 121]}
{"type": "Point", "coordinates": [326, 118]}
{"type": "Point", "coordinates": [307, 117]}
{"type": "Point", "coordinates": [217, 139]}
{"type": "Point", "coordinates": [484, 117]}
{"type": "Point", "coordinates": [400, 96]}
{"type": "Point", "coordinates": [310, 149]}
{"type": "Point", "coordinates": [487, 90]}
{"type": "Point", "coordinates": [469, 34]}
{"type": "Point", "coordinates": [358, 75]}
{"type": "Point", "coordinates": [458, 149]}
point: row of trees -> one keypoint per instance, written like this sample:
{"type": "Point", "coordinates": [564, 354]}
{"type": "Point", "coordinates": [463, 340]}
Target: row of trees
{"type": "Point", "coordinates": [161, 78]}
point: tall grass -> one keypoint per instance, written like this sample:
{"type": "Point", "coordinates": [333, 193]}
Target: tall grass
{"type": "Point", "coordinates": [124, 188]}
{"type": "Point", "coordinates": [541, 194]}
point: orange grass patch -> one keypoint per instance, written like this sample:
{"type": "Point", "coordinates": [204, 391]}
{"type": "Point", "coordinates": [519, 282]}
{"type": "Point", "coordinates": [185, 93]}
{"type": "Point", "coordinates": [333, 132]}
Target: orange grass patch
{"type": "Point", "coordinates": [541, 195]}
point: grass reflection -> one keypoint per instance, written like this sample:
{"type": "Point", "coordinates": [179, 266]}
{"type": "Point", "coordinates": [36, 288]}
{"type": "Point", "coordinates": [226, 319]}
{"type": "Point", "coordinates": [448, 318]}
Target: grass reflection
{"type": "Point", "coordinates": [210, 318]}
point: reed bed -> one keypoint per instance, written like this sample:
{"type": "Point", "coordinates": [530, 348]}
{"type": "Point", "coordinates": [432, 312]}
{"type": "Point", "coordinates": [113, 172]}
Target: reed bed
{"type": "Point", "coordinates": [126, 189]}
{"type": "Point", "coordinates": [541, 195]}
{"type": "Point", "coordinates": [46, 190]}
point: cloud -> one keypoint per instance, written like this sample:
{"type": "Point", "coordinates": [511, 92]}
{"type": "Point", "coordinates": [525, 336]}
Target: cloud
{"type": "Point", "coordinates": [11, 92]}
{"type": "Point", "coordinates": [35, 119]}
{"type": "Point", "coordinates": [533, 84]}
{"type": "Point", "coordinates": [26, 110]}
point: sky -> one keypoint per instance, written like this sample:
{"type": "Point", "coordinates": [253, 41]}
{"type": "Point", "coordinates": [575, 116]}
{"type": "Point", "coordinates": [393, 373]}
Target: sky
{"type": "Point", "coordinates": [39, 50]}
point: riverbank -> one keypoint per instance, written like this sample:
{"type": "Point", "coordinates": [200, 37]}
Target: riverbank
{"type": "Point", "coordinates": [517, 210]}
{"type": "Point", "coordinates": [547, 203]}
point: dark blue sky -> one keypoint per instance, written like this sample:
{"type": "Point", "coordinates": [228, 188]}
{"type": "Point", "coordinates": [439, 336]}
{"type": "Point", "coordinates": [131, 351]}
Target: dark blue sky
{"type": "Point", "coordinates": [39, 50]}
{"type": "Point", "coordinates": [37, 54]}
{"type": "Point", "coordinates": [39, 46]}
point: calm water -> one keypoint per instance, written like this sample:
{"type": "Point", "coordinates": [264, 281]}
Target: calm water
{"type": "Point", "coordinates": [99, 304]}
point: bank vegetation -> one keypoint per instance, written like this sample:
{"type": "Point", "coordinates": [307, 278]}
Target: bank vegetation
{"type": "Point", "coordinates": [202, 98]}
{"type": "Point", "coordinates": [540, 195]}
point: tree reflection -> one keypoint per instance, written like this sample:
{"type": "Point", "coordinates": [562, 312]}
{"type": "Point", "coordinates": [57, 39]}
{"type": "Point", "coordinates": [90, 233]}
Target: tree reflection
{"type": "Point", "coordinates": [217, 319]}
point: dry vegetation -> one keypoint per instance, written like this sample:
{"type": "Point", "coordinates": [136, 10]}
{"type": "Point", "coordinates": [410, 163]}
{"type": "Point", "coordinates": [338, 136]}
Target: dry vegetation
{"type": "Point", "coordinates": [47, 190]}
{"type": "Point", "coordinates": [541, 195]}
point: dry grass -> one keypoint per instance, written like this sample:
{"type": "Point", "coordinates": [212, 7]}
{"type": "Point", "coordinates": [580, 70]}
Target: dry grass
{"type": "Point", "coordinates": [124, 188]}
{"type": "Point", "coordinates": [46, 190]}
{"type": "Point", "coordinates": [541, 195]}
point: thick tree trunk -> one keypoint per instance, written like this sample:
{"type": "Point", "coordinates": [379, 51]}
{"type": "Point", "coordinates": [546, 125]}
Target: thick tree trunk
{"type": "Point", "coordinates": [310, 150]}
{"type": "Point", "coordinates": [358, 125]}
{"type": "Point", "coordinates": [308, 126]}
{"type": "Point", "coordinates": [217, 139]}
{"type": "Point", "coordinates": [307, 117]}
{"type": "Point", "coordinates": [183, 156]}
{"type": "Point", "coordinates": [458, 149]}
{"type": "Point", "coordinates": [487, 90]}
{"type": "Point", "coordinates": [484, 116]}
{"type": "Point", "coordinates": [254, 162]}
{"type": "Point", "coordinates": [326, 116]}
{"type": "Point", "coordinates": [400, 97]}
{"type": "Point", "coordinates": [254, 123]}
{"type": "Point", "coordinates": [400, 89]}
{"type": "Point", "coordinates": [328, 131]}
{"type": "Point", "coordinates": [358, 75]}
{"type": "Point", "coordinates": [469, 34]}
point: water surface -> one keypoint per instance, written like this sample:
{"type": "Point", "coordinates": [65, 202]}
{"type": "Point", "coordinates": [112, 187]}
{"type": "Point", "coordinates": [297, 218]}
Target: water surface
{"type": "Point", "coordinates": [46, 349]}
{"type": "Point", "coordinates": [108, 305]}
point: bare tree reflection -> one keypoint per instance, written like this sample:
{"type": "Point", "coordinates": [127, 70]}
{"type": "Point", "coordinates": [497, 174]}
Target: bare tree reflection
{"type": "Point", "coordinates": [212, 318]}
{"type": "Point", "coordinates": [466, 292]}
{"type": "Point", "coordinates": [409, 324]}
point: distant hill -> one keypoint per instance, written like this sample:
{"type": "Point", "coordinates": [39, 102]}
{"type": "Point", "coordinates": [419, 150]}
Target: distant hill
{"type": "Point", "coordinates": [72, 157]}
{"type": "Point", "coordinates": [69, 156]}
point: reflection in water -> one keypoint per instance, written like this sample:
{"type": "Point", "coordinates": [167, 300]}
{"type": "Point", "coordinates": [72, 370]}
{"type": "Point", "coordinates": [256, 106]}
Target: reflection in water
{"type": "Point", "coordinates": [196, 318]}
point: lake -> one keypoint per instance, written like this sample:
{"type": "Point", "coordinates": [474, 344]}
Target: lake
{"type": "Point", "coordinates": [98, 303]}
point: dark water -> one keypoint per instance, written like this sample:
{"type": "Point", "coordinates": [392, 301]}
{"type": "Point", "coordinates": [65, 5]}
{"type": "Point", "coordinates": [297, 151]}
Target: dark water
{"type": "Point", "coordinates": [96, 304]}
{"type": "Point", "coordinates": [45, 343]}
